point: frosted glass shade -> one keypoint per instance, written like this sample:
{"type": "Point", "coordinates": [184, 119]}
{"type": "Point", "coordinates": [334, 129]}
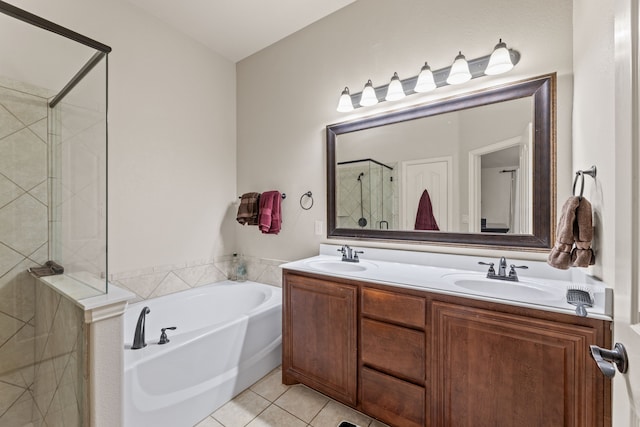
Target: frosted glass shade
{"type": "Point", "coordinates": [368, 95]}
{"type": "Point", "coordinates": [500, 60]}
{"type": "Point", "coordinates": [425, 81]}
{"type": "Point", "coordinates": [459, 72]}
{"type": "Point", "coordinates": [395, 90]}
{"type": "Point", "coordinates": [345, 105]}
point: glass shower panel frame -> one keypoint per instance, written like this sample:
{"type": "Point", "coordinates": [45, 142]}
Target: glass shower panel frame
{"type": "Point", "coordinates": [78, 180]}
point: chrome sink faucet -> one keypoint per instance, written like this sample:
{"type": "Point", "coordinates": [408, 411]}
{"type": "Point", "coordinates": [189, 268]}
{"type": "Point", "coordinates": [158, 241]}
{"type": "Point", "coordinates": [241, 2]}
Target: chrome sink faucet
{"type": "Point", "coordinates": [502, 270]}
{"type": "Point", "coordinates": [349, 254]}
{"type": "Point", "coordinates": [138, 335]}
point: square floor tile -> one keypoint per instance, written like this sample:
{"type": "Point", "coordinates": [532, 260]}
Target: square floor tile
{"type": "Point", "coordinates": [241, 410]}
{"type": "Point", "coordinates": [302, 402]}
{"type": "Point", "coordinates": [270, 387]}
{"type": "Point", "coordinates": [333, 413]}
{"type": "Point", "coordinates": [275, 416]}
{"type": "Point", "coordinates": [209, 422]}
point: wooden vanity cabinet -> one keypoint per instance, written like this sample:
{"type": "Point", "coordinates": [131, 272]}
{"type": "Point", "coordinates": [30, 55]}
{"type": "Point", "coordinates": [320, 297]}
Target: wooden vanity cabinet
{"type": "Point", "coordinates": [319, 336]}
{"type": "Point", "coordinates": [415, 358]}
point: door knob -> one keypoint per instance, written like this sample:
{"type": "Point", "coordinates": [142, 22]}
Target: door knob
{"type": "Point", "coordinates": [607, 359]}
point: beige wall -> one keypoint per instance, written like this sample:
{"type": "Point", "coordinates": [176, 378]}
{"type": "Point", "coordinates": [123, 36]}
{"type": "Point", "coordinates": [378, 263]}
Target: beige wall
{"type": "Point", "coordinates": [288, 92]}
{"type": "Point", "coordinates": [172, 173]}
{"type": "Point", "coordinates": [594, 124]}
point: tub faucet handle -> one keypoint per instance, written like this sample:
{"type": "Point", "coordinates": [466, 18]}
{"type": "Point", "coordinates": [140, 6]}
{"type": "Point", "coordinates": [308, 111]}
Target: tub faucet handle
{"type": "Point", "coordinates": [163, 334]}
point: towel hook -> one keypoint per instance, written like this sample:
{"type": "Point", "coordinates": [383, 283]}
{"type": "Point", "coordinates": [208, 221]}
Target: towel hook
{"type": "Point", "coordinates": [309, 195]}
{"type": "Point", "coordinates": [592, 172]}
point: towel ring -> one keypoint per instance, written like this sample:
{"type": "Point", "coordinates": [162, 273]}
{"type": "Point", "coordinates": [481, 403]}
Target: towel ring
{"type": "Point", "coordinates": [309, 195]}
{"type": "Point", "coordinates": [592, 171]}
{"type": "Point", "coordinates": [575, 181]}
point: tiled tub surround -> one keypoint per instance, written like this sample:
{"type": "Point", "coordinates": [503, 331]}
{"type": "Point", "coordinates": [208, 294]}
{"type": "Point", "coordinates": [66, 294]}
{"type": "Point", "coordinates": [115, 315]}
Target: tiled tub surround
{"type": "Point", "coordinates": [163, 280]}
{"type": "Point", "coordinates": [23, 242]}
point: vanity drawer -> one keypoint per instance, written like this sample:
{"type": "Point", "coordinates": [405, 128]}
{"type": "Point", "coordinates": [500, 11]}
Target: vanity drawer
{"type": "Point", "coordinates": [393, 401]}
{"type": "Point", "coordinates": [393, 349]}
{"type": "Point", "coordinates": [393, 307]}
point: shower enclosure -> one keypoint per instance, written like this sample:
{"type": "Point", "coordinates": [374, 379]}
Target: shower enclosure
{"type": "Point", "coordinates": [366, 195]}
{"type": "Point", "coordinates": [53, 207]}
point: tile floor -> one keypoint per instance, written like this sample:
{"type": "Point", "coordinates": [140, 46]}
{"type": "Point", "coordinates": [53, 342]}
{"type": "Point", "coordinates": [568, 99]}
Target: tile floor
{"type": "Point", "coordinates": [269, 403]}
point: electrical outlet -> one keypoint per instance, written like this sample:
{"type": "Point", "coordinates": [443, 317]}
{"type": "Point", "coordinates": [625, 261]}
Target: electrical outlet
{"type": "Point", "coordinates": [318, 228]}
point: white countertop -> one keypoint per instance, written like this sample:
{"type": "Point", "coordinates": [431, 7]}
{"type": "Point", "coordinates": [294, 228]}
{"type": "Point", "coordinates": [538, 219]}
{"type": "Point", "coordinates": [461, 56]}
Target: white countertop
{"type": "Point", "coordinates": [539, 287]}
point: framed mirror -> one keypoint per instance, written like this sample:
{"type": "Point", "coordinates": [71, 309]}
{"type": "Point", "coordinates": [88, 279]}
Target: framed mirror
{"type": "Point", "coordinates": [475, 169]}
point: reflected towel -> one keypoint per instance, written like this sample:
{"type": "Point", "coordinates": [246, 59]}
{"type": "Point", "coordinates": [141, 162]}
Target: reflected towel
{"type": "Point", "coordinates": [248, 209]}
{"type": "Point", "coordinates": [269, 219]}
{"type": "Point", "coordinates": [424, 217]}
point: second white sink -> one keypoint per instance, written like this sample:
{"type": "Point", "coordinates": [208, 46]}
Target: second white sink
{"type": "Point", "coordinates": [523, 290]}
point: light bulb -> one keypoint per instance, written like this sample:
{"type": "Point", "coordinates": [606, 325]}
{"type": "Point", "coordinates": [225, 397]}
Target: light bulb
{"type": "Point", "coordinates": [459, 72]}
{"type": "Point", "coordinates": [500, 60]}
{"type": "Point", "coordinates": [425, 81]}
{"type": "Point", "coordinates": [345, 105]}
{"type": "Point", "coordinates": [395, 90]}
{"type": "Point", "coordinates": [368, 95]}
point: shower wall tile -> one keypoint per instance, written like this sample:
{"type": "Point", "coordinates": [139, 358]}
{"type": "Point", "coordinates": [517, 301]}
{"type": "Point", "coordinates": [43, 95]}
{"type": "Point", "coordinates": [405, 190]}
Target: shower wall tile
{"type": "Point", "coordinates": [24, 158]}
{"type": "Point", "coordinates": [24, 225]}
{"type": "Point", "coordinates": [8, 122]}
{"type": "Point", "coordinates": [23, 244]}
{"type": "Point", "coordinates": [27, 108]}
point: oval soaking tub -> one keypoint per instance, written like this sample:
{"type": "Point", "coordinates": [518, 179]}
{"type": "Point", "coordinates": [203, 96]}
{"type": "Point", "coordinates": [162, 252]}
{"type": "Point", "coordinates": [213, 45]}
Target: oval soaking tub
{"type": "Point", "coordinates": [228, 336]}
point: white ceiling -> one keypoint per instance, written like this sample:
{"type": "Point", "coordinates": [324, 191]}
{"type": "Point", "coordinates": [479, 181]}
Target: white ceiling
{"type": "Point", "coordinates": [238, 28]}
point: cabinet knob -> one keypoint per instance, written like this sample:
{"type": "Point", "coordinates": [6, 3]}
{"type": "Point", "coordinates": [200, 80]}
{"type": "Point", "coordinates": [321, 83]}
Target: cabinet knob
{"type": "Point", "coordinates": [608, 360]}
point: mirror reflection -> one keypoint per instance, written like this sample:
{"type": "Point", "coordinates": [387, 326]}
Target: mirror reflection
{"type": "Point", "coordinates": [418, 175]}
{"type": "Point", "coordinates": [473, 169]}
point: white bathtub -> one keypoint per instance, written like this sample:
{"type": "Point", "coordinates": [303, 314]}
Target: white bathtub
{"type": "Point", "coordinates": [229, 335]}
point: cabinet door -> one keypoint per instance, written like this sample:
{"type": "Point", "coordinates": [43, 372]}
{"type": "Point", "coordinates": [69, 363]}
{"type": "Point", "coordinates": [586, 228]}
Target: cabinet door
{"type": "Point", "coordinates": [497, 369]}
{"type": "Point", "coordinates": [319, 336]}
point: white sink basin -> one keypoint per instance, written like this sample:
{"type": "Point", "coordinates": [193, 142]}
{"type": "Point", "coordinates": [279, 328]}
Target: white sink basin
{"type": "Point", "coordinates": [523, 290]}
{"type": "Point", "coordinates": [340, 266]}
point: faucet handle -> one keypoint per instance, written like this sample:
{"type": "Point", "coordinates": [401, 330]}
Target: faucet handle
{"type": "Point", "coordinates": [163, 335]}
{"type": "Point", "coordinates": [512, 271]}
{"type": "Point", "coordinates": [355, 255]}
{"type": "Point", "coordinates": [490, 264]}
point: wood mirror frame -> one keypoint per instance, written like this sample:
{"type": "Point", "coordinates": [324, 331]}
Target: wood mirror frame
{"type": "Point", "coordinates": [543, 92]}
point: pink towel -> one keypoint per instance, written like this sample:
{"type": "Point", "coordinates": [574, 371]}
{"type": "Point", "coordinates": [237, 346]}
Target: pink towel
{"type": "Point", "coordinates": [424, 217]}
{"type": "Point", "coordinates": [269, 220]}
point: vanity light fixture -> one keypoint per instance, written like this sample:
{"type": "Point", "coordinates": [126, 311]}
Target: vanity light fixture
{"type": "Point", "coordinates": [368, 97]}
{"type": "Point", "coordinates": [395, 90]}
{"type": "Point", "coordinates": [345, 104]}
{"type": "Point", "coordinates": [425, 81]}
{"type": "Point", "coordinates": [459, 71]}
{"type": "Point", "coordinates": [501, 60]}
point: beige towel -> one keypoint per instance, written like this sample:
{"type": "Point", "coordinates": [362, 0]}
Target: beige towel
{"type": "Point", "coordinates": [582, 255]}
{"type": "Point", "coordinates": [560, 256]}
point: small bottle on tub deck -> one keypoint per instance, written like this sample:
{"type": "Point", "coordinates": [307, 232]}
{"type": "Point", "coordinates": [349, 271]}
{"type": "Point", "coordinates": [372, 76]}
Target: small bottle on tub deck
{"type": "Point", "coordinates": [233, 268]}
{"type": "Point", "coordinates": [241, 269]}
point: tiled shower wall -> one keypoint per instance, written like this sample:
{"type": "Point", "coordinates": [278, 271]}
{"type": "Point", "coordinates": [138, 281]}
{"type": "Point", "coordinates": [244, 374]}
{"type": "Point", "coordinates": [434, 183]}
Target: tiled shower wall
{"type": "Point", "coordinates": [159, 281]}
{"type": "Point", "coordinates": [23, 244]}
{"type": "Point", "coordinates": [41, 334]}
